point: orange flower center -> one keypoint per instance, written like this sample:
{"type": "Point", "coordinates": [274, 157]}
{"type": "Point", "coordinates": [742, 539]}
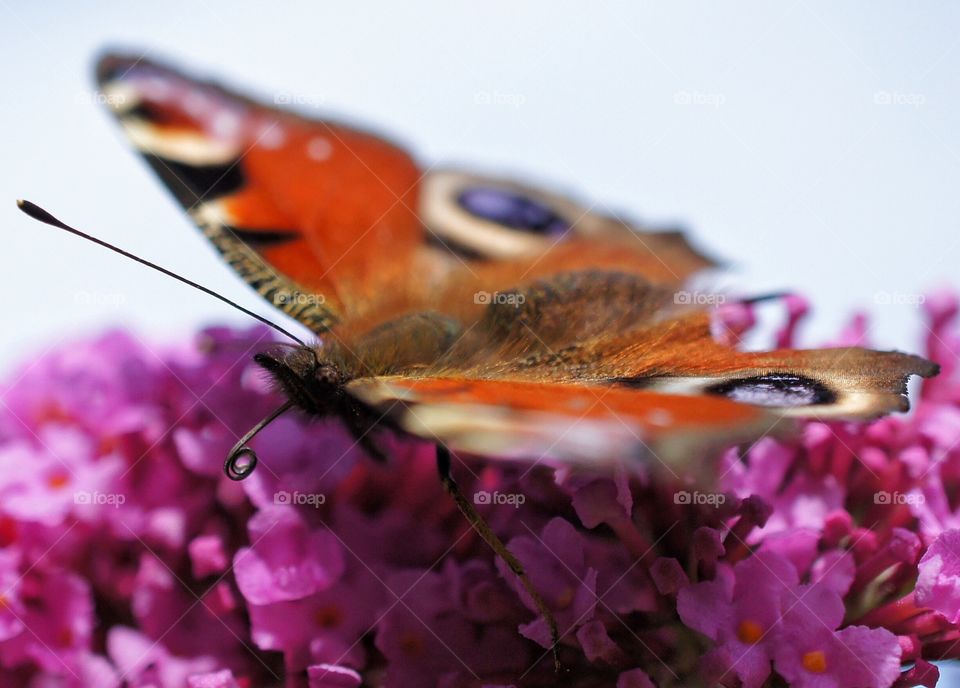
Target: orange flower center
{"type": "Point", "coordinates": [566, 597]}
{"type": "Point", "coordinates": [412, 644]}
{"type": "Point", "coordinates": [749, 631]}
{"type": "Point", "coordinates": [58, 481]}
{"type": "Point", "coordinates": [328, 617]}
{"type": "Point", "coordinates": [815, 661]}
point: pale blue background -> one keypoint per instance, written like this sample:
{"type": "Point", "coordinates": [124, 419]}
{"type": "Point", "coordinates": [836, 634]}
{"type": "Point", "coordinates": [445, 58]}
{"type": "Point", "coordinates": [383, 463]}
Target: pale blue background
{"type": "Point", "coordinates": [762, 126]}
{"type": "Point", "coordinates": [788, 166]}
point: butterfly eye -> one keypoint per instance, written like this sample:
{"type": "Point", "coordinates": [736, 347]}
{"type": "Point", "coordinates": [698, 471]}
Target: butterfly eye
{"type": "Point", "coordinates": [775, 389]}
{"type": "Point", "coordinates": [511, 210]}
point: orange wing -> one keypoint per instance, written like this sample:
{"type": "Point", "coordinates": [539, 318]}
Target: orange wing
{"type": "Point", "coordinates": [612, 330]}
{"type": "Point", "coordinates": [314, 214]}
{"type": "Point", "coordinates": [336, 225]}
{"type": "Point", "coordinates": [585, 424]}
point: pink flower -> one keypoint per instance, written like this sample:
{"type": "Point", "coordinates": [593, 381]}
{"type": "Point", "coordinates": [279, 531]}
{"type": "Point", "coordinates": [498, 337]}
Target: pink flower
{"type": "Point", "coordinates": [811, 654]}
{"type": "Point", "coordinates": [557, 566]}
{"type": "Point", "coordinates": [286, 560]}
{"type": "Point", "coordinates": [327, 626]}
{"type": "Point", "coordinates": [938, 582]}
{"type": "Point", "coordinates": [332, 676]}
{"type": "Point", "coordinates": [127, 558]}
{"type": "Point", "coordinates": [425, 638]}
{"type": "Point", "coordinates": [143, 662]}
{"type": "Point", "coordinates": [740, 610]}
{"type": "Point", "coordinates": [217, 679]}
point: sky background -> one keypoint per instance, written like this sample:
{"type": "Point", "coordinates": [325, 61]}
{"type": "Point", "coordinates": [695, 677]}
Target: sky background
{"type": "Point", "coordinates": [814, 145]}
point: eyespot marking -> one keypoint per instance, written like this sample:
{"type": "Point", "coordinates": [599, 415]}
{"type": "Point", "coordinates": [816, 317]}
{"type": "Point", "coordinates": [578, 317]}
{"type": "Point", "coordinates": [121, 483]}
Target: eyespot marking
{"type": "Point", "coordinates": [782, 390]}
{"type": "Point", "coordinates": [511, 210]}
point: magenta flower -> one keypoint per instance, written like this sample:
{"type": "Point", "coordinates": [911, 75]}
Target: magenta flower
{"type": "Point", "coordinates": [740, 611]}
{"type": "Point", "coordinates": [938, 581]}
{"type": "Point", "coordinates": [557, 566]}
{"type": "Point", "coordinates": [811, 654]}
{"type": "Point", "coordinates": [287, 560]}
{"type": "Point", "coordinates": [57, 624]}
{"type": "Point", "coordinates": [332, 676]}
{"type": "Point", "coordinates": [127, 559]}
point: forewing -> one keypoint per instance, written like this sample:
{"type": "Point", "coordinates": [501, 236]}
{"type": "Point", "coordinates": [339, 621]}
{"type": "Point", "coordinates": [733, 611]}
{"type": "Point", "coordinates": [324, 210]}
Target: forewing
{"type": "Point", "coordinates": [316, 216]}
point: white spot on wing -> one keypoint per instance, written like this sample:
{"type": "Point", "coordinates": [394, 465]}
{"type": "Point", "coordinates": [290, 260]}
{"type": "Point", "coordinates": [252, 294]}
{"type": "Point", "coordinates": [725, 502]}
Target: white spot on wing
{"type": "Point", "coordinates": [226, 124]}
{"type": "Point", "coordinates": [270, 135]}
{"type": "Point", "coordinates": [319, 148]}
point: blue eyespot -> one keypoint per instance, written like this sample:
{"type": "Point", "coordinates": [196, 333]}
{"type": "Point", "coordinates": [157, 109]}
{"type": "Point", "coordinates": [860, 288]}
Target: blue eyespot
{"type": "Point", "coordinates": [775, 389]}
{"type": "Point", "coordinates": [511, 210]}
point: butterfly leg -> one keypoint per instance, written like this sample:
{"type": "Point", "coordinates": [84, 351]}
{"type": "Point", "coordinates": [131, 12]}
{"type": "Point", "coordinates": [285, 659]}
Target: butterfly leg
{"type": "Point", "coordinates": [363, 435]}
{"type": "Point", "coordinates": [496, 544]}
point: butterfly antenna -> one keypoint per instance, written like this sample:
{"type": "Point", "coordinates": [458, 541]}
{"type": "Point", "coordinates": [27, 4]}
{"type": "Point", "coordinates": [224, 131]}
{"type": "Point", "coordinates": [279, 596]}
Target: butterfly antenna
{"type": "Point", "coordinates": [772, 296]}
{"type": "Point", "coordinates": [38, 213]}
{"type": "Point", "coordinates": [242, 459]}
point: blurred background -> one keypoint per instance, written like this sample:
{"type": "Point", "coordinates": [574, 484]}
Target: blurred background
{"type": "Point", "coordinates": [811, 144]}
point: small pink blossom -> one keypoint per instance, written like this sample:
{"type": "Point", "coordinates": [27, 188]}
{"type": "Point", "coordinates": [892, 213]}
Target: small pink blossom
{"type": "Point", "coordinates": [938, 581]}
{"type": "Point", "coordinates": [286, 561]}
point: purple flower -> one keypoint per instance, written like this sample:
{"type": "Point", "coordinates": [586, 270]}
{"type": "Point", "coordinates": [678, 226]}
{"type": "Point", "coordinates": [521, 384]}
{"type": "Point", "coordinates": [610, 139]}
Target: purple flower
{"type": "Point", "coordinates": [938, 581]}
{"type": "Point", "coordinates": [57, 622]}
{"type": "Point", "coordinates": [740, 611]}
{"type": "Point", "coordinates": [216, 679]}
{"type": "Point", "coordinates": [332, 676]}
{"type": "Point", "coordinates": [811, 654]}
{"type": "Point", "coordinates": [127, 558]}
{"type": "Point", "coordinates": [556, 564]}
{"type": "Point", "coordinates": [327, 626]}
{"type": "Point", "coordinates": [286, 560]}
{"type": "Point", "coordinates": [143, 662]}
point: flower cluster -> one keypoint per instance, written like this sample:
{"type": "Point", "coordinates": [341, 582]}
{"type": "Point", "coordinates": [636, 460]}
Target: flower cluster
{"type": "Point", "coordinates": [127, 558]}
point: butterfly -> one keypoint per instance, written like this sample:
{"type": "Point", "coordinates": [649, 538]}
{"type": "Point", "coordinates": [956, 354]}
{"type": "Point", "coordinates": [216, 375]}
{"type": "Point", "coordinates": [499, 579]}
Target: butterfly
{"type": "Point", "coordinates": [485, 315]}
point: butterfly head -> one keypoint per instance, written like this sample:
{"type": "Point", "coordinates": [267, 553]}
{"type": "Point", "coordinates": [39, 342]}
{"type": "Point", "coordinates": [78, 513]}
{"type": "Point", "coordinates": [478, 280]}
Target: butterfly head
{"type": "Point", "coordinates": [313, 385]}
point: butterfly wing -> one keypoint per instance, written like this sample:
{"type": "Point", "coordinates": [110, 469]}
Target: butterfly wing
{"type": "Point", "coordinates": [611, 328]}
{"type": "Point", "coordinates": [584, 424]}
{"type": "Point", "coordinates": [495, 219]}
{"type": "Point", "coordinates": [334, 225]}
{"type": "Point", "coordinates": [666, 422]}
{"type": "Point", "coordinates": [315, 215]}
{"type": "Point", "coordinates": [594, 366]}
